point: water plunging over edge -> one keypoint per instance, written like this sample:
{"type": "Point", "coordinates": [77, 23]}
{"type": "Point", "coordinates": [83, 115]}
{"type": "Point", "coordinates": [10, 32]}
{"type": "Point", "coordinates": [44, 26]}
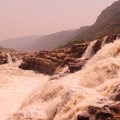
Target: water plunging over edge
{"type": "Point", "coordinates": [89, 51]}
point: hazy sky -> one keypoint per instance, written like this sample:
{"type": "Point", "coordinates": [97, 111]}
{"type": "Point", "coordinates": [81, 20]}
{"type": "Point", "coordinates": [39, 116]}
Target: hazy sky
{"type": "Point", "coordinates": [39, 17]}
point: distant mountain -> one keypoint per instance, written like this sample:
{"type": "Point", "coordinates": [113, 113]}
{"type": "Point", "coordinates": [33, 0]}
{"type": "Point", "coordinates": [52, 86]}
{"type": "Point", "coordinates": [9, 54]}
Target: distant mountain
{"type": "Point", "coordinates": [19, 43]}
{"type": "Point", "coordinates": [1, 48]}
{"type": "Point", "coordinates": [50, 42]}
{"type": "Point", "coordinates": [108, 22]}
{"type": "Point", "coordinates": [46, 42]}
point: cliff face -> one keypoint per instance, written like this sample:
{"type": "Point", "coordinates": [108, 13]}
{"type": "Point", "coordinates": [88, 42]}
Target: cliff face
{"type": "Point", "coordinates": [107, 23]}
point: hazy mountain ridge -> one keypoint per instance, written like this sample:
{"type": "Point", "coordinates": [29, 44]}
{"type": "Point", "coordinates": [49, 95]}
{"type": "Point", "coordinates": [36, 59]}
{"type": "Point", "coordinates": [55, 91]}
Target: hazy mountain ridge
{"type": "Point", "coordinates": [108, 22]}
{"type": "Point", "coordinates": [46, 42]}
{"type": "Point", "coordinates": [2, 48]}
{"type": "Point", "coordinates": [19, 43]}
{"type": "Point", "coordinates": [50, 42]}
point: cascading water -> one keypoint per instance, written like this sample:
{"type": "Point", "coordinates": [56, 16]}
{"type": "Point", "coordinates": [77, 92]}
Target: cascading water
{"type": "Point", "coordinates": [14, 59]}
{"type": "Point", "coordinates": [9, 58]}
{"type": "Point", "coordinates": [104, 40]}
{"type": "Point", "coordinates": [66, 97]}
{"type": "Point", "coordinates": [89, 51]}
{"type": "Point", "coordinates": [118, 36]}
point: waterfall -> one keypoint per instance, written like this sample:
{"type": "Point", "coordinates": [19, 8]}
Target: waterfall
{"type": "Point", "coordinates": [14, 59]}
{"type": "Point", "coordinates": [108, 39]}
{"type": "Point", "coordinates": [9, 58]}
{"type": "Point", "coordinates": [89, 51]}
{"type": "Point", "coordinates": [118, 36]}
{"type": "Point", "coordinates": [68, 96]}
{"type": "Point", "coordinates": [104, 41]}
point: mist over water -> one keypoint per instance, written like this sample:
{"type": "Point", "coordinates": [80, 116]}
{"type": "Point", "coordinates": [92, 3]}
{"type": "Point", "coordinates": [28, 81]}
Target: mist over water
{"type": "Point", "coordinates": [68, 96]}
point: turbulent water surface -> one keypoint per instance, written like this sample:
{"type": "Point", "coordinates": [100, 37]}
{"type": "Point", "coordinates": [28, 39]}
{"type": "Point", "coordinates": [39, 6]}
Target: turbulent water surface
{"type": "Point", "coordinates": [15, 85]}
{"type": "Point", "coordinates": [63, 98]}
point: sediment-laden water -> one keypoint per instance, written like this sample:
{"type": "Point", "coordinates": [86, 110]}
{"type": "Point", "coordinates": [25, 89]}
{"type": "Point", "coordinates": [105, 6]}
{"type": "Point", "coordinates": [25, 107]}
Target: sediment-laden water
{"type": "Point", "coordinates": [15, 85]}
{"type": "Point", "coordinates": [63, 98]}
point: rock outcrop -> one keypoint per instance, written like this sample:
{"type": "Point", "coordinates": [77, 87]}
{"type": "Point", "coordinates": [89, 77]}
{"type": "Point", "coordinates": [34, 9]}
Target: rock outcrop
{"type": "Point", "coordinates": [78, 49]}
{"type": "Point", "coordinates": [48, 62]}
{"type": "Point", "coordinates": [43, 61]}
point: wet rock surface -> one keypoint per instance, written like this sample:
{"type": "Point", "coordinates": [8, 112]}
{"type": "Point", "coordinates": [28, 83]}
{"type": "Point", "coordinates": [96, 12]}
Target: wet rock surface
{"type": "Point", "coordinates": [101, 113]}
{"type": "Point", "coordinates": [73, 67]}
{"type": "Point", "coordinates": [47, 62]}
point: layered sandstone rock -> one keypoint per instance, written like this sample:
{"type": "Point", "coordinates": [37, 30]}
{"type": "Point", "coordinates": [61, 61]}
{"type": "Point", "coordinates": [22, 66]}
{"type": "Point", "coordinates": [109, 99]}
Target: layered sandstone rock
{"type": "Point", "coordinates": [79, 49]}
{"type": "Point", "coordinates": [73, 67]}
{"type": "Point", "coordinates": [43, 61]}
{"type": "Point", "coordinates": [36, 63]}
{"type": "Point", "coordinates": [48, 62]}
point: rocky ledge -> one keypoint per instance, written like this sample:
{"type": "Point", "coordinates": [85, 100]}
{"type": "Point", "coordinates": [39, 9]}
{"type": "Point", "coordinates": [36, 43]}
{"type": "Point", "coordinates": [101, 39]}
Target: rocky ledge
{"type": "Point", "coordinates": [48, 62]}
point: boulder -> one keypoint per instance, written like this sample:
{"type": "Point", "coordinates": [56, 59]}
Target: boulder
{"type": "Point", "coordinates": [44, 63]}
{"type": "Point", "coordinates": [82, 117]}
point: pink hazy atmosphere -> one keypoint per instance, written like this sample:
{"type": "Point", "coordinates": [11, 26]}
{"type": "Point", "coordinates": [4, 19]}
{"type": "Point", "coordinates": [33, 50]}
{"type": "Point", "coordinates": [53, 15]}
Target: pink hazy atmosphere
{"type": "Point", "coordinates": [39, 17]}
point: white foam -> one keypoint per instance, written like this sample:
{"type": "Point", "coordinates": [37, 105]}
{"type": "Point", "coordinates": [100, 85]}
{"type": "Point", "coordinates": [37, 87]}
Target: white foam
{"type": "Point", "coordinates": [64, 98]}
{"type": "Point", "coordinates": [15, 85]}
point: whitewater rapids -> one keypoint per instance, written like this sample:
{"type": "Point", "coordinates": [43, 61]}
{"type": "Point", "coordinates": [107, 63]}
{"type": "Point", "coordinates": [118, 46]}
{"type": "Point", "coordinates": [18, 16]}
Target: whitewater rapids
{"type": "Point", "coordinates": [15, 85]}
{"type": "Point", "coordinates": [68, 96]}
